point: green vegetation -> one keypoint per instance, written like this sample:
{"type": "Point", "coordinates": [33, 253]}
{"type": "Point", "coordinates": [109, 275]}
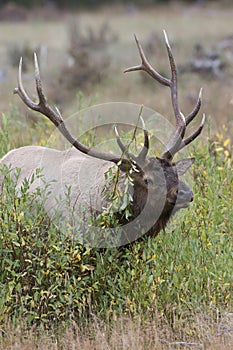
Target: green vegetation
{"type": "Point", "coordinates": [48, 276]}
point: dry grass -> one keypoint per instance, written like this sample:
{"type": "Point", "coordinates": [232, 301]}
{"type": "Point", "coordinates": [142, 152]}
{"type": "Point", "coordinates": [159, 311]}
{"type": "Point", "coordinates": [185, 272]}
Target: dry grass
{"type": "Point", "coordinates": [124, 333]}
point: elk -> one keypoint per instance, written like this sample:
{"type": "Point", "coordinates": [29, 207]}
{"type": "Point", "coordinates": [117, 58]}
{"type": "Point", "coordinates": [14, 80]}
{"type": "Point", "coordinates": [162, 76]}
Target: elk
{"type": "Point", "coordinates": [157, 191]}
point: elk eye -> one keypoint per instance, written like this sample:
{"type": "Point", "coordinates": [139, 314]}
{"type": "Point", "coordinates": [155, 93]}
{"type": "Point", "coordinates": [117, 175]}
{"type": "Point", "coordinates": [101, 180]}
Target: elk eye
{"type": "Point", "coordinates": [148, 181]}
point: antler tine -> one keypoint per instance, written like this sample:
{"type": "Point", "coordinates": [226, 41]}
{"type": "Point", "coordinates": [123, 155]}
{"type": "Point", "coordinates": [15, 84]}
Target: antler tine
{"type": "Point", "coordinates": [21, 91]}
{"type": "Point", "coordinates": [146, 66]}
{"type": "Point", "coordinates": [170, 56]}
{"type": "Point", "coordinates": [196, 109]}
{"type": "Point", "coordinates": [192, 137]}
{"type": "Point", "coordinates": [121, 145]}
{"type": "Point", "coordinates": [180, 119]}
{"type": "Point", "coordinates": [42, 106]}
{"type": "Point", "coordinates": [42, 98]}
{"type": "Point", "coordinates": [142, 155]}
{"type": "Point", "coordinates": [176, 142]}
{"type": "Point", "coordinates": [53, 115]}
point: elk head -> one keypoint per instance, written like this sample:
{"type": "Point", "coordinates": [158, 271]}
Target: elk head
{"type": "Point", "coordinates": [157, 190]}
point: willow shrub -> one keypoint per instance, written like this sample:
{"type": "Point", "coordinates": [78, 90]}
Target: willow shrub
{"type": "Point", "coordinates": [46, 275]}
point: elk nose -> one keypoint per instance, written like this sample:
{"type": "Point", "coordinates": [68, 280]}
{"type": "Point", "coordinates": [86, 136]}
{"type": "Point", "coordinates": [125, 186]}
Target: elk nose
{"type": "Point", "coordinates": [185, 195]}
{"type": "Point", "coordinates": [191, 196]}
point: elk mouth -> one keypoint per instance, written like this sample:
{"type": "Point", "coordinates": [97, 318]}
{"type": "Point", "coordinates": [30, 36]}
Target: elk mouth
{"type": "Point", "coordinates": [181, 205]}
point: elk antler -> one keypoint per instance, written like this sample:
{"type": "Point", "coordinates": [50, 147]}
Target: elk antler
{"type": "Point", "coordinates": [176, 141]}
{"type": "Point", "coordinates": [140, 159]}
{"type": "Point", "coordinates": [55, 117]}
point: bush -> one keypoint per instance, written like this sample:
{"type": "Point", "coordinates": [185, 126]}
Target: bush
{"type": "Point", "coordinates": [43, 271]}
{"type": "Point", "coordinates": [88, 60]}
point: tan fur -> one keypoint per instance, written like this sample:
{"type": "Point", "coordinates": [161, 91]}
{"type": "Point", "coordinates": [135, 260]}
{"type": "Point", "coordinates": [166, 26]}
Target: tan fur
{"type": "Point", "coordinates": [60, 169]}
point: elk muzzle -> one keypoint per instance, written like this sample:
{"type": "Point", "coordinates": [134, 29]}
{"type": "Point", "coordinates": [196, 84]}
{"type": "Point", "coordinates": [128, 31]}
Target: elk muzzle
{"type": "Point", "coordinates": [184, 197]}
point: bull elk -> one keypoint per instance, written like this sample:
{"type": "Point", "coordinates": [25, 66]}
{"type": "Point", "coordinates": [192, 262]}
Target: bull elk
{"type": "Point", "coordinates": [157, 191]}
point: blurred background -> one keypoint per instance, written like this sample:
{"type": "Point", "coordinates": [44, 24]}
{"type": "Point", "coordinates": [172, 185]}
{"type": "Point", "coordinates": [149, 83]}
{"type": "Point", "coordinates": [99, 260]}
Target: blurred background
{"type": "Point", "coordinates": [84, 47]}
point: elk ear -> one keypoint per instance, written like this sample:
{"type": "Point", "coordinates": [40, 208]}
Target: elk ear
{"type": "Point", "coordinates": [183, 165]}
